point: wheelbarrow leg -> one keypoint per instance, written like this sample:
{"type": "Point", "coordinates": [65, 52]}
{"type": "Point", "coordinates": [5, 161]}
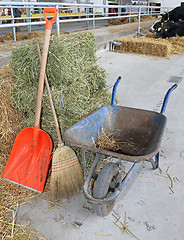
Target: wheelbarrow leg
{"type": "Point", "coordinates": [92, 169]}
{"type": "Point", "coordinates": [129, 175]}
{"type": "Point", "coordinates": [84, 164]}
{"type": "Point", "coordinates": [155, 163]}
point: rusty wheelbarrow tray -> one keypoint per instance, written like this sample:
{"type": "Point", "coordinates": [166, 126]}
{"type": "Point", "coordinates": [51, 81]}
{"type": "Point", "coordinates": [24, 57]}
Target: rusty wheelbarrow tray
{"type": "Point", "coordinates": [139, 131]}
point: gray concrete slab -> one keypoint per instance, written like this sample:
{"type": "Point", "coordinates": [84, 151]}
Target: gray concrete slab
{"type": "Point", "coordinates": [5, 58]}
{"type": "Point", "coordinates": [153, 210]}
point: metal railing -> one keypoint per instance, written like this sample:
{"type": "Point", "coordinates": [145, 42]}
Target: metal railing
{"type": "Point", "coordinates": [69, 13]}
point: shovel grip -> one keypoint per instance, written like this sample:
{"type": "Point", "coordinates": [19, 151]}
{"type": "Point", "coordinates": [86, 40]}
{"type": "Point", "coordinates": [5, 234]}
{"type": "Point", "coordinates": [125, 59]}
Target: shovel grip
{"type": "Point", "coordinates": [49, 22]}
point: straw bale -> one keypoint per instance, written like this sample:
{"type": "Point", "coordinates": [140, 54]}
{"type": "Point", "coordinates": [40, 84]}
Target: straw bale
{"type": "Point", "coordinates": [150, 46]}
{"type": "Point", "coordinates": [144, 46]}
{"type": "Point", "coordinates": [177, 44]}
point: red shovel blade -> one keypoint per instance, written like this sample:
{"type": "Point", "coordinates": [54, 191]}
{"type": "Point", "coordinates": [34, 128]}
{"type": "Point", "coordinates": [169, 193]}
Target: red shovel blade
{"type": "Point", "coordinates": [29, 159]}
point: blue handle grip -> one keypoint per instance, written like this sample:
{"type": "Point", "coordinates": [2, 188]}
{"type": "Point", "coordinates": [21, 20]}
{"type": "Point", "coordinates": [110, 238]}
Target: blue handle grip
{"type": "Point", "coordinates": [114, 91]}
{"type": "Point", "coordinates": [164, 105]}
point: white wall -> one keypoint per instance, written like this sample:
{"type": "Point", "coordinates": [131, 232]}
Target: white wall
{"type": "Point", "coordinates": [98, 2]}
{"type": "Point", "coordinates": [95, 2]}
{"type": "Point", "coordinates": [168, 3]}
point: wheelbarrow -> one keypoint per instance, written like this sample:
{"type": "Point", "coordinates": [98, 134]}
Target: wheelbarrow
{"type": "Point", "coordinates": [144, 128]}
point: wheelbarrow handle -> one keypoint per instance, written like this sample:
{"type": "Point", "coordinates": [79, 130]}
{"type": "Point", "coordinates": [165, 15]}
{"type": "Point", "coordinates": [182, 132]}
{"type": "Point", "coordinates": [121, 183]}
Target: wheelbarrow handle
{"type": "Point", "coordinates": [49, 22]}
{"type": "Point", "coordinates": [164, 105]}
{"type": "Point", "coordinates": [114, 91]}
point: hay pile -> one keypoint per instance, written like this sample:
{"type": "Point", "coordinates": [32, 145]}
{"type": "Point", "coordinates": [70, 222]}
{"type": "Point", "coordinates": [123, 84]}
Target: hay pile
{"type": "Point", "coordinates": [108, 142]}
{"type": "Point", "coordinates": [24, 36]}
{"type": "Point", "coordinates": [11, 195]}
{"type": "Point", "coordinates": [177, 44]}
{"type": "Point", "coordinates": [118, 21]}
{"type": "Point", "coordinates": [123, 145]}
{"type": "Point", "coordinates": [9, 116]}
{"type": "Point", "coordinates": [151, 46]}
{"type": "Point", "coordinates": [77, 83]}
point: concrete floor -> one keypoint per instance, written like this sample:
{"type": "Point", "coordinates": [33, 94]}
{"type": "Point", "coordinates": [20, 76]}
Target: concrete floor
{"type": "Point", "coordinates": [153, 211]}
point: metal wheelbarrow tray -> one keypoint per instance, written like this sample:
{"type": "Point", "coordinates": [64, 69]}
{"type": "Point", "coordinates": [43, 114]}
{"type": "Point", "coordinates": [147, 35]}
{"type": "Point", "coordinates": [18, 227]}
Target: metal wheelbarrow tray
{"type": "Point", "coordinates": [138, 131]}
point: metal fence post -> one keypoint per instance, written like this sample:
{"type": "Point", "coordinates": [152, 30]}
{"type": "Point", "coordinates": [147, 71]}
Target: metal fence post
{"type": "Point", "coordinates": [119, 11]}
{"type": "Point", "coordinates": [14, 28]}
{"type": "Point", "coordinates": [130, 11]}
{"type": "Point", "coordinates": [139, 22]}
{"type": "Point", "coordinates": [87, 16]}
{"type": "Point", "coordinates": [28, 13]}
{"type": "Point", "coordinates": [93, 18]}
{"type": "Point", "coordinates": [57, 22]}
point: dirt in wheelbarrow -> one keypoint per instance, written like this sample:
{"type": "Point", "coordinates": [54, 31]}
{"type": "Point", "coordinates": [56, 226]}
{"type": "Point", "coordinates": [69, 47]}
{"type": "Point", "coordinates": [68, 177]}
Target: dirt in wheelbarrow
{"type": "Point", "coordinates": [132, 144]}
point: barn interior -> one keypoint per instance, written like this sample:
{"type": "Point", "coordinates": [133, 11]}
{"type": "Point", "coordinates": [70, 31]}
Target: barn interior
{"type": "Point", "coordinates": [150, 206]}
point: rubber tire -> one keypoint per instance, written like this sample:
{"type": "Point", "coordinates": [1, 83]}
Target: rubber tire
{"type": "Point", "coordinates": [101, 188]}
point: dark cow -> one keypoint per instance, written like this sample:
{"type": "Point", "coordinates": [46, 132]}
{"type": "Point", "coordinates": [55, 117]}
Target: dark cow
{"type": "Point", "coordinates": [158, 25]}
{"type": "Point", "coordinates": [155, 26]}
{"type": "Point", "coordinates": [171, 29]}
{"type": "Point", "coordinates": [174, 15]}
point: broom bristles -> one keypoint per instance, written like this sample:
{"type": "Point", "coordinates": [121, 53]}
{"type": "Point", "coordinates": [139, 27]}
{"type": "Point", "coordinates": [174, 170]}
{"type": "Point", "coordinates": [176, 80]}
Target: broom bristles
{"type": "Point", "coordinates": [66, 174]}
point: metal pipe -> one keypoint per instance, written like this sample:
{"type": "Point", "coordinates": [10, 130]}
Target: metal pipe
{"type": "Point", "coordinates": [139, 22]}
{"type": "Point", "coordinates": [129, 174]}
{"type": "Point", "coordinates": [114, 91]}
{"type": "Point", "coordinates": [84, 164]}
{"type": "Point", "coordinates": [93, 18]}
{"type": "Point", "coordinates": [14, 29]}
{"type": "Point", "coordinates": [164, 105]}
{"type": "Point", "coordinates": [57, 22]}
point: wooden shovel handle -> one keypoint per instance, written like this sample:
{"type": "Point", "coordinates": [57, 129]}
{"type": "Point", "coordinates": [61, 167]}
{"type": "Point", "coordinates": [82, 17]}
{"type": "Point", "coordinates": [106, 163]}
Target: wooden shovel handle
{"type": "Point", "coordinates": [51, 102]}
{"type": "Point", "coordinates": [42, 73]}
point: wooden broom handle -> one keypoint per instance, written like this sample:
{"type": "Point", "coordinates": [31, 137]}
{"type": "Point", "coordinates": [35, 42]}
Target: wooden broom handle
{"type": "Point", "coordinates": [51, 102]}
{"type": "Point", "coordinates": [43, 65]}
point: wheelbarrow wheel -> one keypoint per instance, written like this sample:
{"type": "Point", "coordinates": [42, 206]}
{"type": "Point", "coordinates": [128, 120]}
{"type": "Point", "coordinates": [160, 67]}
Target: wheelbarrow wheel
{"type": "Point", "coordinates": [105, 187]}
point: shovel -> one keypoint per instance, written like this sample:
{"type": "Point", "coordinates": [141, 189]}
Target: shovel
{"type": "Point", "coordinates": [29, 160]}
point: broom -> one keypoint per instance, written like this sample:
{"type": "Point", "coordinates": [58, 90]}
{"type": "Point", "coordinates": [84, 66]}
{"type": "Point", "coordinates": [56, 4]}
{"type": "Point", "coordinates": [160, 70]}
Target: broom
{"type": "Point", "coordinates": [66, 177]}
